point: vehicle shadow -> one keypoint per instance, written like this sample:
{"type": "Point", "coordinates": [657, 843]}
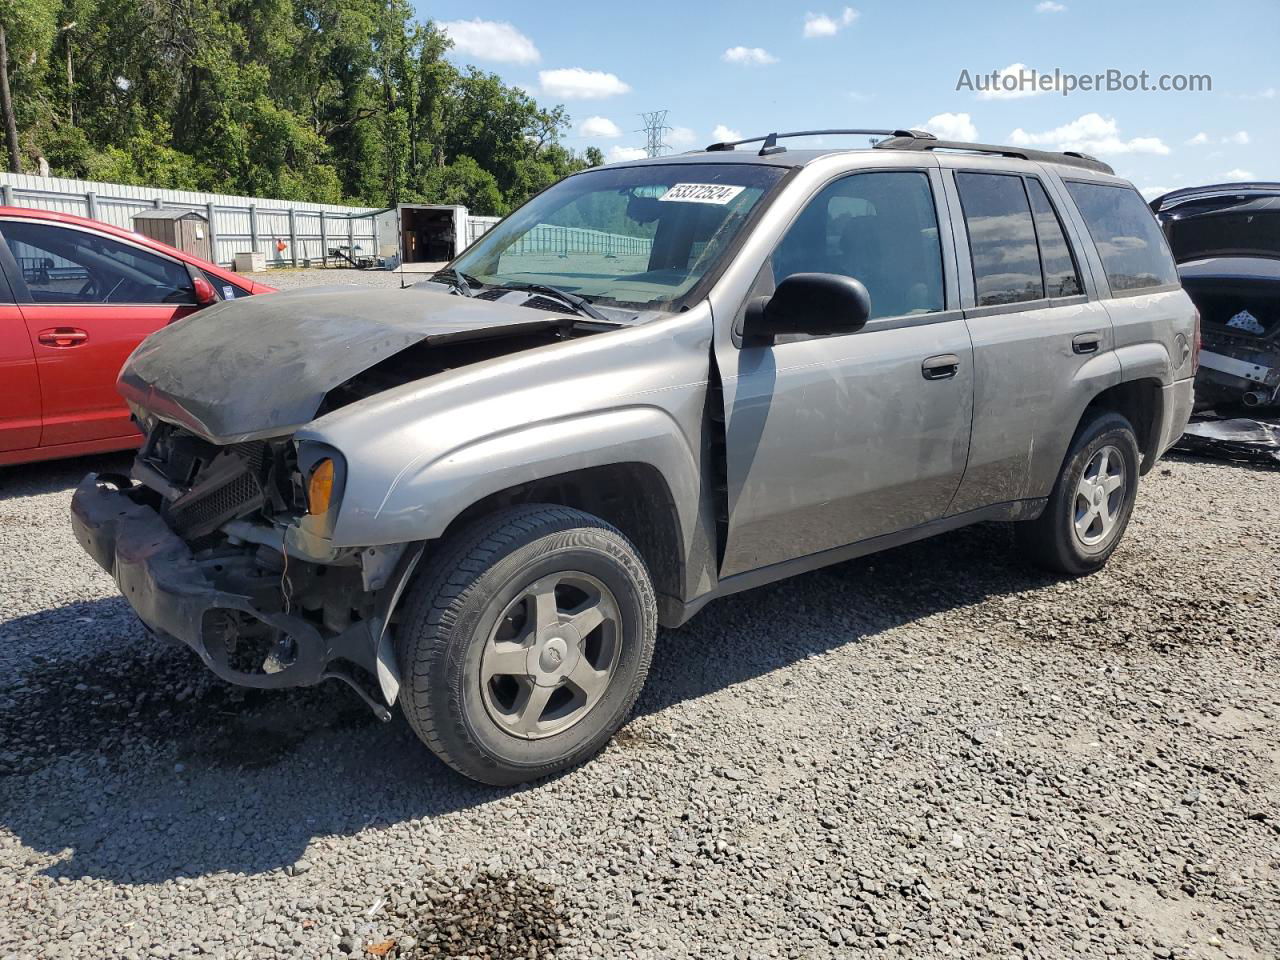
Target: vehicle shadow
{"type": "Point", "coordinates": [32, 479]}
{"type": "Point", "coordinates": [133, 764]}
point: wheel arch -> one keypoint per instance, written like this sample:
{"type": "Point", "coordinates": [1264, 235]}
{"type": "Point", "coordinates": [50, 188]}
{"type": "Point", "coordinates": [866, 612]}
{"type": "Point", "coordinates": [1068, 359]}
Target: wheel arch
{"type": "Point", "coordinates": [633, 496]}
{"type": "Point", "coordinates": [1140, 402]}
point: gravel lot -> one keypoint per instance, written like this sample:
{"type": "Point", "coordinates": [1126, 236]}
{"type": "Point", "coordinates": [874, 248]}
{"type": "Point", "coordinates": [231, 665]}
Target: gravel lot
{"type": "Point", "coordinates": [931, 752]}
{"type": "Point", "coordinates": [292, 279]}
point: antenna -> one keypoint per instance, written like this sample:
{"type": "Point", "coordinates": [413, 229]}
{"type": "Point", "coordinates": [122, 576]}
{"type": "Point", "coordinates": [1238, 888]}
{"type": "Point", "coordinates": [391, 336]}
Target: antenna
{"type": "Point", "coordinates": [655, 125]}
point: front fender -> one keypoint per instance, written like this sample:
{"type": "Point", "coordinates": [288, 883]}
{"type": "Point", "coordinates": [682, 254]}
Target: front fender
{"type": "Point", "coordinates": [433, 489]}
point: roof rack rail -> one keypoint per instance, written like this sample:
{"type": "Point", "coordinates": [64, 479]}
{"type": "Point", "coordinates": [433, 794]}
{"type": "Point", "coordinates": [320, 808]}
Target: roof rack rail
{"type": "Point", "coordinates": [770, 140]}
{"type": "Point", "coordinates": [1071, 158]}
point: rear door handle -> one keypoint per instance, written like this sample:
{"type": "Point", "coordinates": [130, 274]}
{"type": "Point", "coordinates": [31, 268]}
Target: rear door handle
{"type": "Point", "coordinates": [940, 367]}
{"type": "Point", "coordinates": [62, 336]}
{"type": "Point", "coordinates": [1086, 343]}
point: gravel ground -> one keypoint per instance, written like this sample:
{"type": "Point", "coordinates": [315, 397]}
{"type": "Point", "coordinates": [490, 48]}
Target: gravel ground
{"type": "Point", "coordinates": [289, 279]}
{"type": "Point", "coordinates": [928, 752]}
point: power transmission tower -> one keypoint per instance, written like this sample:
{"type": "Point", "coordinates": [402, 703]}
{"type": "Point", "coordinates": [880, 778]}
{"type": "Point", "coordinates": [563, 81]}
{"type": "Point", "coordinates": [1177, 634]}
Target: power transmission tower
{"type": "Point", "coordinates": [655, 125]}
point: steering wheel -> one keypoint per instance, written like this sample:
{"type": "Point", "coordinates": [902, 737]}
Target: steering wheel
{"type": "Point", "coordinates": [89, 289]}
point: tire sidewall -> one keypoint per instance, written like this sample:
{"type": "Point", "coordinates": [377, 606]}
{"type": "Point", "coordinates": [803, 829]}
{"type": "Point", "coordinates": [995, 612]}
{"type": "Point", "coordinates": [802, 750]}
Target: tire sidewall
{"type": "Point", "coordinates": [593, 551]}
{"type": "Point", "coordinates": [1112, 430]}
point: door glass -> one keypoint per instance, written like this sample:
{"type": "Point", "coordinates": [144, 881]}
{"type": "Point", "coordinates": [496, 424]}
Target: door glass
{"type": "Point", "coordinates": [1002, 239]}
{"type": "Point", "coordinates": [65, 265]}
{"type": "Point", "coordinates": [1060, 277]}
{"type": "Point", "coordinates": [879, 228]}
{"type": "Point", "coordinates": [1134, 254]}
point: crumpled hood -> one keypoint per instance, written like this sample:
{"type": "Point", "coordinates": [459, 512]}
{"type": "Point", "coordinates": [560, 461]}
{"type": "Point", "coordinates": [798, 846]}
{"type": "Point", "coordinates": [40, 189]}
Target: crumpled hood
{"type": "Point", "coordinates": [261, 366]}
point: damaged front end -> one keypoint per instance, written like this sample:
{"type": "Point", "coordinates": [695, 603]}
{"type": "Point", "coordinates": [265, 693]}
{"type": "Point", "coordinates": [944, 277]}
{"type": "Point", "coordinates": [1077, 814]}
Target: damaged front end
{"type": "Point", "coordinates": [223, 537]}
{"type": "Point", "coordinates": [217, 547]}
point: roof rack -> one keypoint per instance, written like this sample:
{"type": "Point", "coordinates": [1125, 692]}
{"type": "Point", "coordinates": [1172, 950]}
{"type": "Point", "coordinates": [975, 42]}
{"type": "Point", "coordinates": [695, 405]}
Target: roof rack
{"type": "Point", "coordinates": [769, 142]}
{"type": "Point", "coordinates": [911, 141]}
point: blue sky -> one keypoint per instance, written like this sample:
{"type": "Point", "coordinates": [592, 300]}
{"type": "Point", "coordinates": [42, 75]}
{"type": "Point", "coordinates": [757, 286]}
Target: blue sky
{"type": "Point", "coordinates": [752, 67]}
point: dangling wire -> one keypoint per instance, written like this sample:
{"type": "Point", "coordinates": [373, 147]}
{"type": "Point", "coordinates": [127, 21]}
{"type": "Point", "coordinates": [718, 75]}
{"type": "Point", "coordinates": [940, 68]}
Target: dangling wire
{"type": "Point", "coordinates": [286, 585]}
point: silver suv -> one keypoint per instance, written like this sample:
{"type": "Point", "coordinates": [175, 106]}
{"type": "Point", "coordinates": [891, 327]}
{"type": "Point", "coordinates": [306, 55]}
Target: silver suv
{"type": "Point", "coordinates": [655, 384]}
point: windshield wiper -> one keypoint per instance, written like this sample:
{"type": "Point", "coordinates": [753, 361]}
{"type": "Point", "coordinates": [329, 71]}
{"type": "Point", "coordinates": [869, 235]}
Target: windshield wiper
{"type": "Point", "coordinates": [461, 282]}
{"type": "Point", "coordinates": [579, 304]}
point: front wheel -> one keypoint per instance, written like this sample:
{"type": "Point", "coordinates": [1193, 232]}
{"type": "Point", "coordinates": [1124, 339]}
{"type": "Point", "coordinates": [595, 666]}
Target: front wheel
{"type": "Point", "coordinates": [525, 643]}
{"type": "Point", "coordinates": [1091, 501]}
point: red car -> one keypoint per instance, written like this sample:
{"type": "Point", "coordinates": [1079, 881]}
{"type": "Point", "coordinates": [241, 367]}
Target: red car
{"type": "Point", "coordinates": [76, 296]}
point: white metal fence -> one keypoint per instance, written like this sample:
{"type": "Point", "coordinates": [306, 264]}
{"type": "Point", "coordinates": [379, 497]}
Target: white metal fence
{"type": "Point", "coordinates": [552, 238]}
{"type": "Point", "coordinates": [236, 224]}
{"type": "Point", "coordinates": [309, 231]}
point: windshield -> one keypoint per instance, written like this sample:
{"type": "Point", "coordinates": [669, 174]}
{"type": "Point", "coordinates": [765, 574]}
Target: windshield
{"type": "Point", "coordinates": [633, 237]}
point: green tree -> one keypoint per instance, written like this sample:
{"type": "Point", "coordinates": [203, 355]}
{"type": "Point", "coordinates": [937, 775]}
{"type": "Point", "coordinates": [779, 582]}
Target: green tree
{"type": "Point", "coordinates": [27, 29]}
{"type": "Point", "coordinates": [323, 100]}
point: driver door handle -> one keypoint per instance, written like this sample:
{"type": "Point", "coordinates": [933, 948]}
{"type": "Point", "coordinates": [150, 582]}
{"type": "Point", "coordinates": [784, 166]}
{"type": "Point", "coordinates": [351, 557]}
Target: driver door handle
{"type": "Point", "coordinates": [63, 337]}
{"type": "Point", "coordinates": [941, 367]}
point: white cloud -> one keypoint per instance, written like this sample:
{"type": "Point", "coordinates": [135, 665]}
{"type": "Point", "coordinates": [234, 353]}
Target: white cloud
{"type": "Point", "coordinates": [618, 154]}
{"type": "Point", "coordinates": [681, 136]}
{"type": "Point", "coordinates": [749, 56]}
{"type": "Point", "coordinates": [1240, 137]}
{"type": "Point", "coordinates": [1268, 93]}
{"type": "Point", "coordinates": [859, 97]}
{"type": "Point", "coordinates": [1048, 6]}
{"type": "Point", "coordinates": [1238, 174]}
{"type": "Point", "coordinates": [998, 91]}
{"type": "Point", "coordinates": [599, 127]}
{"type": "Point", "coordinates": [1199, 139]}
{"type": "Point", "coordinates": [951, 126]}
{"type": "Point", "coordinates": [574, 83]}
{"type": "Point", "coordinates": [722, 133]}
{"type": "Point", "coordinates": [491, 40]}
{"type": "Point", "coordinates": [822, 25]}
{"type": "Point", "coordinates": [1091, 133]}
{"type": "Point", "coordinates": [1152, 192]}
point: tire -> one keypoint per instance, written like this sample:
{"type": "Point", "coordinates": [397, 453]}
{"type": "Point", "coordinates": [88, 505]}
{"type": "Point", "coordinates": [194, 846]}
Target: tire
{"type": "Point", "coordinates": [1055, 540]}
{"type": "Point", "coordinates": [504, 676]}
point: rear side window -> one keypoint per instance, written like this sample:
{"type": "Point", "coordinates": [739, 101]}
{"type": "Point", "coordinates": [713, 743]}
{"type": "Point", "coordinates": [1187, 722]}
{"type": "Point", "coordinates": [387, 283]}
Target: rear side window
{"type": "Point", "coordinates": [1002, 238]}
{"type": "Point", "coordinates": [1060, 276]}
{"type": "Point", "coordinates": [1126, 234]}
{"type": "Point", "coordinates": [65, 265]}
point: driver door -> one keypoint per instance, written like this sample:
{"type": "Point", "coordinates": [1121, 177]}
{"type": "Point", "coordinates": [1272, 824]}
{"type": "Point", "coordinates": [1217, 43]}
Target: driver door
{"type": "Point", "coordinates": [832, 440]}
{"type": "Point", "coordinates": [87, 300]}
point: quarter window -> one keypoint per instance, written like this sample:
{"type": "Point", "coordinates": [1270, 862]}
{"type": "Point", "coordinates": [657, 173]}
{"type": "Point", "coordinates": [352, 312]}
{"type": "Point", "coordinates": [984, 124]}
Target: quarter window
{"type": "Point", "coordinates": [1002, 238]}
{"type": "Point", "coordinates": [1060, 276]}
{"type": "Point", "coordinates": [63, 265]}
{"type": "Point", "coordinates": [1129, 241]}
{"type": "Point", "coordinates": [879, 228]}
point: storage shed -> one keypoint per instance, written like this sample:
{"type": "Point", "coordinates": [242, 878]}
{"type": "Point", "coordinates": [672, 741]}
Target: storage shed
{"type": "Point", "coordinates": [184, 229]}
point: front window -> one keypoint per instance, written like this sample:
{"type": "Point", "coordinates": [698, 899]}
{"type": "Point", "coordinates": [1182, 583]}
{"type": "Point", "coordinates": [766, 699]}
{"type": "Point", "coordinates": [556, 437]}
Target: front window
{"type": "Point", "coordinates": [66, 265]}
{"type": "Point", "coordinates": [641, 237]}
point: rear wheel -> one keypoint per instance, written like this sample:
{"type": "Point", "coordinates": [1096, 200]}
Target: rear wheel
{"type": "Point", "coordinates": [525, 643]}
{"type": "Point", "coordinates": [1091, 501]}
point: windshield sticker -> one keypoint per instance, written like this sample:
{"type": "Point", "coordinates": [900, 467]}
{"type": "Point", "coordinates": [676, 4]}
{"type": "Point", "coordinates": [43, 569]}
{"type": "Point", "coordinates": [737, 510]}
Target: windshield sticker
{"type": "Point", "coordinates": [716, 193]}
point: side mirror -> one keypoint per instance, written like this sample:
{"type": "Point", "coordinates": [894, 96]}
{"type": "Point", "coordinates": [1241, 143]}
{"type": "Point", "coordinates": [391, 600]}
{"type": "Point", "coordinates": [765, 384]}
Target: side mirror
{"type": "Point", "coordinates": [205, 294]}
{"type": "Point", "coordinates": [817, 304]}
